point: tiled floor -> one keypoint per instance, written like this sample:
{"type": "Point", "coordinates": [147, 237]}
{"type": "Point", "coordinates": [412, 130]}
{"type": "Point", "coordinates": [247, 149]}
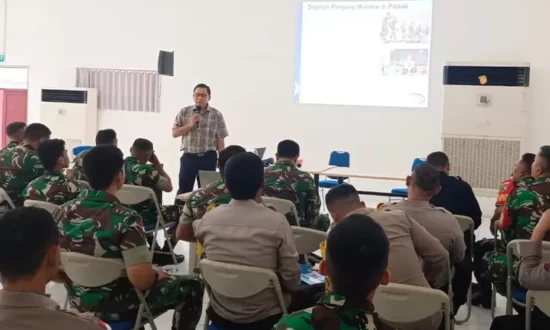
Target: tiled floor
{"type": "Point", "coordinates": [480, 319]}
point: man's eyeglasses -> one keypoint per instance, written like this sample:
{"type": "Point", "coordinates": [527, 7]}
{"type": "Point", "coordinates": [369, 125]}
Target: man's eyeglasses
{"type": "Point", "coordinates": [197, 95]}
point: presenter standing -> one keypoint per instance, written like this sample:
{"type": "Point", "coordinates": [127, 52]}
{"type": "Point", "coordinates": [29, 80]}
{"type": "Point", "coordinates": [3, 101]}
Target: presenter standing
{"type": "Point", "coordinates": [202, 130]}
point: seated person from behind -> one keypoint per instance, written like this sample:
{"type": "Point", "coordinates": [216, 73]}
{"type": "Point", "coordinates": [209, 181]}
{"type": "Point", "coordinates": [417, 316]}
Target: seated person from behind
{"type": "Point", "coordinates": [16, 133]}
{"type": "Point", "coordinates": [534, 274]}
{"type": "Point", "coordinates": [285, 181]}
{"type": "Point", "coordinates": [97, 224]}
{"type": "Point", "coordinates": [53, 186]}
{"type": "Point", "coordinates": [104, 136]}
{"type": "Point", "coordinates": [422, 185]}
{"type": "Point", "coordinates": [21, 165]}
{"type": "Point", "coordinates": [245, 232]}
{"type": "Point", "coordinates": [29, 260]}
{"type": "Point", "coordinates": [416, 257]}
{"type": "Point", "coordinates": [456, 195]}
{"type": "Point", "coordinates": [204, 199]}
{"type": "Point", "coordinates": [356, 261]}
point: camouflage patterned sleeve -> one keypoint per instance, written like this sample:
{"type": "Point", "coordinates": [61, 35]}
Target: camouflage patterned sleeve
{"type": "Point", "coordinates": [297, 321]}
{"type": "Point", "coordinates": [133, 243]}
{"type": "Point", "coordinates": [313, 203]}
{"type": "Point", "coordinates": [187, 216]}
{"type": "Point", "coordinates": [35, 164]}
{"type": "Point", "coordinates": [520, 205]}
{"type": "Point", "coordinates": [73, 189]}
{"type": "Point", "coordinates": [77, 167]}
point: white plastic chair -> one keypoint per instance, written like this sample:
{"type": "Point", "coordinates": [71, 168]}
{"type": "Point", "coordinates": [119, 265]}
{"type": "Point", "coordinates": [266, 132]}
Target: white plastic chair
{"type": "Point", "coordinates": [283, 206]}
{"type": "Point", "coordinates": [466, 223]}
{"type": "Point", "coordinates": [130, 195]}
{"type": "Point", "coordinates": [40, 204]}
{"type": "Point", "coordinates": [541, 299]}
{"type": "Point", "coordinates": [4, 197]}
{"type": "Point", "coordinates": [307, 240]}
{"type": "Point", "coordinates": [208, 177]}
{"type": "Point", "coordinates": [399, 303]}
{"type": "Point", "coordinates": [238, 281]}
{"type": "Point", "coordinates": [83, 184]}
{"type": "Point", "coordinates": [93, 272]}
{"type": "Point", "coordinates": [512, 249]}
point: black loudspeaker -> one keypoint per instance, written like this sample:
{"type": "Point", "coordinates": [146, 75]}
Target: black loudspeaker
{"type": "Point", "coordinates": [166, 63]}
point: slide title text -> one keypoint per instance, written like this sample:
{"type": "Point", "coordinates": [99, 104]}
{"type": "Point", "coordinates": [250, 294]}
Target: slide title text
{"type": "Point", "coordinates": [359, 6]}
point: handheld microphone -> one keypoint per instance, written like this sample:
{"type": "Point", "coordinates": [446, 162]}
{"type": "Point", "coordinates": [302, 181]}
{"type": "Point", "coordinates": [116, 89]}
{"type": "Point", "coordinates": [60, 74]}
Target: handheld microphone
{"type": "Point", "coordinates": [197, 111]}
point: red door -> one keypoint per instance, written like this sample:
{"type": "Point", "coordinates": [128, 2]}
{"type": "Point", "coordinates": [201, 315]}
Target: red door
{"type": "Point", "coordinates": [13, 103]}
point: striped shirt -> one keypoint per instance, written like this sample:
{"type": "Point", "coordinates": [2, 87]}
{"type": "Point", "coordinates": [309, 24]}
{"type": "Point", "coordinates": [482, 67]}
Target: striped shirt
{"type": "Point", "coordinates": [204, 136]}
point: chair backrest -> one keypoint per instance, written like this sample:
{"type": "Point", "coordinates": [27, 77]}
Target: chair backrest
{"type": "Point", "coordinates": [79, 149]}
{"type": "Point", "coordinates": [83, 184]}
{"type": "Point", "coordinates": [4, 197]}
{"type": "Point", "coordinates": [307, 240]}
{"type": "Point", "coordinates": [208, 177]}
{"type": "Point", "coordinates": [40, 204]}
{"type": "Point", "coordinates": [130, 195]}
{"type": "Point", "coordinates": [406, 303]}
{"type": "Point", "coordinates": [541, 299]}
{"type": "Point", "coordinates": [91, 272]}
{"type": "Point", "coordinates": [464, 222]}
{"type": "Point", "coordinates": [283, 206]}
{"type": "Point", "coordinates": [238, 281]}
{"type": "Point", "coordinates": [339, 158]}
{"type": "Point", "coordinates": [416, 162]}
{"type": "Point", "coordinates": [513, 249]}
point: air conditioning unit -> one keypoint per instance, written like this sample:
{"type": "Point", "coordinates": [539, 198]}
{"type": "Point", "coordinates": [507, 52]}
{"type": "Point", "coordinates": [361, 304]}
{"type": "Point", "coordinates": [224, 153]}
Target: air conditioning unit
{"type": "Point", "coordinates": [71, 115]}
{"type": "Point", "coordinates": [484, 120]}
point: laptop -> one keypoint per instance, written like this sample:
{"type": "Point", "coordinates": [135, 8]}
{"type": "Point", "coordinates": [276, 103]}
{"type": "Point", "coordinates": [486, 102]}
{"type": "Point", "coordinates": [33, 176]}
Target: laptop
{"type": "Point", "coordinates": [260, 152]}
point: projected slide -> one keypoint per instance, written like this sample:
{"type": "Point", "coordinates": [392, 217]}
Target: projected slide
{"type": "Point", "coordinates": [372, 53]}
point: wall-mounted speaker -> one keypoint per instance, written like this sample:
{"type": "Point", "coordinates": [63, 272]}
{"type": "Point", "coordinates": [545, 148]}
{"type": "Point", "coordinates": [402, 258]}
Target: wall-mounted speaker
{"type": "Point", "coordinates": [166, 63]}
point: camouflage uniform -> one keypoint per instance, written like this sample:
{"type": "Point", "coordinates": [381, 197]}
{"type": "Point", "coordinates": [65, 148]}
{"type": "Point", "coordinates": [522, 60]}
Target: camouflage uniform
{"type": "Point", "coordinates": [284, 180]}
{"type": "Point", "coordinates": [146, 176]}
{"type": "Point", "coordinates": [525, 205]}
{"type": "Point", "coordinates": [53, 188]}
{"type": "Point", "coordinates": [10, 146]}
{"type": "Point", "coordinates": [79, 167]}
{"type": "Point", "coordinates": [18, 167]}
{"type": "Point", "coordinates": [203, 200]}
{"type": "Point", "coordinates": [97, 224]}
{"type": "Point", "coordinates": [333, 313]}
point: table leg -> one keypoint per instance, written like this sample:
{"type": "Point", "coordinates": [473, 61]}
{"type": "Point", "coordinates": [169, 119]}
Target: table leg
{"type": "Point", "coordinates": [340, 180]}
{"type": "Point", "coordinates": [316, 179]}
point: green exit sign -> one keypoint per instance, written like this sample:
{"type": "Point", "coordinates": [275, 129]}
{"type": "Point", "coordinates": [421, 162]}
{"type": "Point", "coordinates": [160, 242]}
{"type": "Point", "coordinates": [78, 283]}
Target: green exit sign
{"type": "Point", "coordinates": [2, 57]}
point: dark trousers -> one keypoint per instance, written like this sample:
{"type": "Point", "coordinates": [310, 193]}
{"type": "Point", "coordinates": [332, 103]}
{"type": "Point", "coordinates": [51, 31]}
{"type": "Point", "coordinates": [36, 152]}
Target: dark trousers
{"type": "Point", "coordinates": [539, 321]}
{"type": "Point", "coordinates": [191, 164]}
{"type": "Point", "coordinates": [461, 283]}
{"type": "Point", "coordinates": [480, 271]}
{"type": "Point", "coordinates": [304, 298]}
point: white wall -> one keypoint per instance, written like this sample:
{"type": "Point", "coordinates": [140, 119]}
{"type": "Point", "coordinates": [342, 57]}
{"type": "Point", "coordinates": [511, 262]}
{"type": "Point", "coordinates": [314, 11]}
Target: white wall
{"type": "Point", "coordinates": [245, 50]}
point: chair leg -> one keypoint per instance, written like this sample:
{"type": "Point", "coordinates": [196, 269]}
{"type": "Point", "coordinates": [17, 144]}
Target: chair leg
{"type": "Point", "coordinates": [528, 306]}
{"type": "Point", "coordinates": [468, 306]}
{"type": "Point", "coordinates": [170, 247]}
{"type": "Point", "coordinates": [493, 302]}
{"type": "Point", "coordinates": [323, 201]}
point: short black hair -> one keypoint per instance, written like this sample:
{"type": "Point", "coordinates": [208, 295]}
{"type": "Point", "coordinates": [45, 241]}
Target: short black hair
{"type": "Point", "coordinates": [288, 149]}
{"type": "Point", "coordinates": [14, 128]}
{"type": "Point", "coordinates": [357, 256]}
{"type": "Point", "coordinates": [244, 175]}
{"type": "Point", "coordinates": [142, 145]}
{"type": "Point", "coordinates": [426, 177]}
{"type": "Point", "coordinates": [341, 192]}
{"type": "Point", "coordinates": [544, 153]}
{"type": "Point", "coordinates": [36, 132]}
{"type": "Point", "coordinates": [25, 236]}
{"type": "Point", "coordinates": [528, 159]}
{"type": "Point", "coordinates": [205, 86]}
{"type": "Point", "coordinates": [227, 153]}
{"type": "Point", "coordinates": [101, 164]}
{"type": "Point", "coordinates": [438, 159]}
{"type": "Point", "coordinates": [105, 136]}
{"type": "Point", "coordinates": [49, 151]}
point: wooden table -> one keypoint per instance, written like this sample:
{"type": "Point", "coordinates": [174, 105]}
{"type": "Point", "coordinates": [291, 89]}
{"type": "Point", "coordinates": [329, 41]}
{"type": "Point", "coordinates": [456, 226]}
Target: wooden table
{"type": "Point", "coordinates": [347, 172]}
{"type": "Point", "coordinates": [316, 173]}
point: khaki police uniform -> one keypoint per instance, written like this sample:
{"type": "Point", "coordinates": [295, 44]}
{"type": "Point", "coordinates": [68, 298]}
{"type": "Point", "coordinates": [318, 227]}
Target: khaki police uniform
{"type": "Point", "coordinates": [33, 311]}
{"type": "Point", "coordinates": [439, 222]}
